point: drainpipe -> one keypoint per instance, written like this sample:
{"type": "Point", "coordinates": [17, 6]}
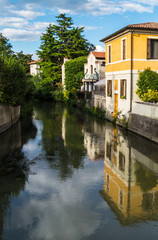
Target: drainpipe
{"type": "Point", "coordinates": [131, 97]}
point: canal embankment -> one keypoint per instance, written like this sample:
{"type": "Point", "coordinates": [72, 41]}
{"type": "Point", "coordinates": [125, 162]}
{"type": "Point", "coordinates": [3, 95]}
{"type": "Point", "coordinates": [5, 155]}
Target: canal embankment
{"type": "Point", "coordinates": [8, 116]}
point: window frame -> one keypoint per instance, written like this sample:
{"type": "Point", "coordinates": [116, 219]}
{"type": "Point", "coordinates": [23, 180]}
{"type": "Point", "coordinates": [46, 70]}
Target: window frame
{"type": "Point", "coordinates": [123, 89]}
{"type": "Point", "coordinates": [149, 48]}
{"type": "Point", "coordinates": [109, 53]}
{"type": "Point", "coordinates": [109, 88]}
{"type": "Point", "coordinates": [123, 49]}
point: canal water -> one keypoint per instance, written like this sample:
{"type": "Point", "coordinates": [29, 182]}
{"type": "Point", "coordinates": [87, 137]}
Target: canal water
{"type": "Point", "coordinates": [66, 176]}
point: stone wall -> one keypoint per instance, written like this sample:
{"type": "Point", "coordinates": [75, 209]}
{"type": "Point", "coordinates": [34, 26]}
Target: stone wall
{"type": "Point", "coordinates": [8, 116]}
{"type": "Point", "coordinates": [144, 126]}
{"type": "Point", "coordinates": [99, 102]}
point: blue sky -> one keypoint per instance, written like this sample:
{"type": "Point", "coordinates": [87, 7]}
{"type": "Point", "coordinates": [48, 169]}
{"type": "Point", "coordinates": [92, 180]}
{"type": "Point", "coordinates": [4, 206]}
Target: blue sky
{"type": "Point", "coordinates": [23, 22]}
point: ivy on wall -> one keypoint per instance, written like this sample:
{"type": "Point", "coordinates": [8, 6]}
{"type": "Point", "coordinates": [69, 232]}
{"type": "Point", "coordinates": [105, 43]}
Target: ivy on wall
{"type": "Point", "coordinates": [74, 72]}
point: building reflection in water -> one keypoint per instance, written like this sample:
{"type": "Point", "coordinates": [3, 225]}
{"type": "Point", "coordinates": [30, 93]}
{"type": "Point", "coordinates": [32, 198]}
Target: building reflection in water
{"type": "Point", "coordinates": [130, 177]}
{"type": "Point", "coordinates": [94, 140]}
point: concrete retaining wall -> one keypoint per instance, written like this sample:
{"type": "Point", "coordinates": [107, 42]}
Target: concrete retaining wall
{"type": "Point", "coordinates": [99, 101]}
{"type": "Point", "coordinates": [8, 116]}
{"type": "Point", "coordinates": [149, 110]}
{"type": "Point", "coordinates": [144, 126]}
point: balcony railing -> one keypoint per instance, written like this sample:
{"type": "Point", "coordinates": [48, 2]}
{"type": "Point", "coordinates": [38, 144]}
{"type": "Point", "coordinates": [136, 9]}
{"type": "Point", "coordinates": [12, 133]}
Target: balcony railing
{"type": "Point", "coordinates": [91, 76]}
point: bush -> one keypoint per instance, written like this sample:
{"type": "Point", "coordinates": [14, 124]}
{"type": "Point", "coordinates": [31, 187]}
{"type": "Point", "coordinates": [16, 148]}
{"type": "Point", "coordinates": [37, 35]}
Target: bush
{"type": "Point", "coordinates": [148, 86]}
{"type": "Point", "coordinates": [74, 72]}
{"type": "Point", "coordinates": [13, 81]}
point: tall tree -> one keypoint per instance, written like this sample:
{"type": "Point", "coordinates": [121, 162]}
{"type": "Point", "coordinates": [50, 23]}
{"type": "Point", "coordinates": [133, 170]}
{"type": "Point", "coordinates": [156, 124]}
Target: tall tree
{"type": "Point", "coordinates": [24, 59]}
{"type": "Point", "coordinates": [5, 46]}
{"type": "Point", "coordinates": [59, 41]}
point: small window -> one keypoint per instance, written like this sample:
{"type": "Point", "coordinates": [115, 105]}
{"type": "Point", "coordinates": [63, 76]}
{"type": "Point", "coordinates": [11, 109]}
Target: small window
{"type": "Point", "coordinates": [121, 162]}
{"type": "Point", "coordinates": [108, 150]}
{"type": "Point", "coordinates": [91, 69]}
{"type": "Point", "coordinates": [109, 88]}
{"type": "Point", "coordinates": [123, 88]}
{"type": "Point", "coordinates": [124, 49]}
{"type": "Point", "coordinates": [109, 54]}
{"type": "Point", "coordinates": [152, 49]}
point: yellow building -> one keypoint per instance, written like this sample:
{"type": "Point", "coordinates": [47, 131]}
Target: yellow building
{"type": "Point", "coordinates": [128, 51]}
{"type": "Point", "coordinates": [130, 178]}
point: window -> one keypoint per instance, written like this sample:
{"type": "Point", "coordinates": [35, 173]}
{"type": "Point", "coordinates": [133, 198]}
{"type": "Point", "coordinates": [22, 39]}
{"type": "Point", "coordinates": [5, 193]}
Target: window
{"type": "Point", "coordinates": [121, 161]}
{"type": "Point", "coordinates": [108, 150]}
{"type": "Point", "coordinates": [124, 49]}
{"type": "Point", "coordinates": [123, 88]}
{"type": "Point", "coordinates": [109, 54]}
{"type": "Point", "coordinates": [109, 88]}
{"type": "Point", "coordinates": [152, 49]}
{"type": "Point", "coordinates": [91, 69]}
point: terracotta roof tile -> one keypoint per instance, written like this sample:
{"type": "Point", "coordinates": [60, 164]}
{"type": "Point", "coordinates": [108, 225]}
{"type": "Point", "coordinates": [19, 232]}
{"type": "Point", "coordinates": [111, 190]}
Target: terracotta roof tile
{"type": "Point", "coordinates": [33, 62]}
{"type": "Point", "coordinates": [99, 54]}
{"type": "Point", "coordinates": [149, 25]}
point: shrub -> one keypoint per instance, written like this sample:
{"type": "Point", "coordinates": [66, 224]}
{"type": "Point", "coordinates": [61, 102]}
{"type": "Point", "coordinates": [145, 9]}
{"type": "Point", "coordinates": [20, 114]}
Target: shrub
{"type": "Point", "coordinates": [13, 81]}
{"type": "Point", "coordinates": [148, 86]}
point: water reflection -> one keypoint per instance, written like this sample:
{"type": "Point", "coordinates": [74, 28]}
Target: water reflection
{"type": "Point", "coordinates": [130, 177]}
{"type": "Point", "coordinates": [14, 170]}
{"type": "Point", "coordinates": [94, 140]}
{"type": "Point", "coordinates": [61, 199]}
{"type": "Point", "coordinates": [62, 138]}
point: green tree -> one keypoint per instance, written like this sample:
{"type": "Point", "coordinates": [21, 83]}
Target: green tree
{"type": "Point", "coordinates": [13, 81]}
{"type": "Point", "coordinates": [59, 41]}
{"type": "Point", "coordinates": [148, 86]}
{"type": "Point", "coordinates": [5, 46]}
{"type": "Point", "coordinates": [24, 59]}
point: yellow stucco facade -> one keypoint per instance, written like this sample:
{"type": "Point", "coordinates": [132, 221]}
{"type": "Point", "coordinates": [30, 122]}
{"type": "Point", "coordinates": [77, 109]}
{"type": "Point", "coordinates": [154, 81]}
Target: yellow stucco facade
{"type": "Point", "coordinates": [127, 52]}
{"type": "Point", "coordinates": [140, 61]}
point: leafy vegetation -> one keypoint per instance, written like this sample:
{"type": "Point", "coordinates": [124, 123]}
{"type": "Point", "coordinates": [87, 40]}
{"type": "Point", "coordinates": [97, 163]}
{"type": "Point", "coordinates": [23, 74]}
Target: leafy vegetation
{"type": "Point", "coordinates": [13, 81]}
{"type": "Point", "coordinates": [148, 86]}
{"type": "Point", "coordinates": [59, 41]}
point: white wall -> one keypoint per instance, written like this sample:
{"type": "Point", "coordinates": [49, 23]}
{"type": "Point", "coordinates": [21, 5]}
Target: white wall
{"type": "Point", "coordinates": [149, 110]}
{"type": "Point", "coordinates": [34, 69]}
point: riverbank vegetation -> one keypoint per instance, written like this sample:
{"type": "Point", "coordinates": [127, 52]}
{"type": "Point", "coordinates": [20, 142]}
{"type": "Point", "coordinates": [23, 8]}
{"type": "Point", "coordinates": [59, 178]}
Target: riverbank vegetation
{"type": "Point", "coordinates": [148, 86]}
{"type": "Point", "coordinates": [60, 40]}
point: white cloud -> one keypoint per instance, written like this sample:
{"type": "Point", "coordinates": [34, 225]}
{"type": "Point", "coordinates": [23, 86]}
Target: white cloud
{"type": "Point", "coordinates": [14, 22]}
{"type": "Point", "coordinates": [99, 49]}
{"type": "Point", "coordinates": [20, 34]}
{"type": "Point", "coordinates": [28, 14]}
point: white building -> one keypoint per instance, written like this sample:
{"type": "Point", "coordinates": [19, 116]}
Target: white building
{"type": "Point", "coordinates": [94, 70]}
{"type": "Point", "coordinates": [34, 67]}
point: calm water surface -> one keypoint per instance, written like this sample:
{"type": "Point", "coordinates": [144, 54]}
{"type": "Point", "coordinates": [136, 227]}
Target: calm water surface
{"type": "Point", "coordinates": [66, 176]}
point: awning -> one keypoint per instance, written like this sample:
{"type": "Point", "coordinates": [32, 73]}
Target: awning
{"type": "Point", "coordinates": [100, 83]}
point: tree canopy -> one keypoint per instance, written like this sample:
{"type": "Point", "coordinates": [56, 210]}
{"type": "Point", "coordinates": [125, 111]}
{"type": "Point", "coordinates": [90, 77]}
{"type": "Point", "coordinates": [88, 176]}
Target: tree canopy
{"type": "Point", "coordinates": [5, 45]}
{"type": "Point", "coordinates": [59, 41]}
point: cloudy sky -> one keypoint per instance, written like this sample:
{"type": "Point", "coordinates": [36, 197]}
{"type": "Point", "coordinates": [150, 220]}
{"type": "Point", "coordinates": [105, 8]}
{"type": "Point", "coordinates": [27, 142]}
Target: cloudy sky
{"type": "Point", "coordinates": [24, 21]}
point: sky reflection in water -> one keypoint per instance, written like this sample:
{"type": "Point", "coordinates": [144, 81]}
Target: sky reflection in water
{"type": "Point", "coordinates": [87, 180]}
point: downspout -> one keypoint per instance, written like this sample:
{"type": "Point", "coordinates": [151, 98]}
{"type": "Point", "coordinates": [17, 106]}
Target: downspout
{"type": "Point", "coordinates": [131, 93]}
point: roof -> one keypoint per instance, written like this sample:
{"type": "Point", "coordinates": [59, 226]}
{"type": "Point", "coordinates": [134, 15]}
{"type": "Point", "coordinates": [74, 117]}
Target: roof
{"type": "Point", "coordinates": [34, 62]}
{"type": "Point", "coordinates": [99, 54]}
{"type": "Point", "coordinates": [140, 26]}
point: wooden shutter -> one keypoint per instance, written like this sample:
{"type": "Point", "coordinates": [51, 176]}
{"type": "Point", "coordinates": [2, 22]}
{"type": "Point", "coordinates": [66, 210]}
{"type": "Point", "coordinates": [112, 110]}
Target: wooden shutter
{"type": "Point", "coordinates": [121, 89]}
{"type": "Point", "coordinates": [124, 49]}
{"type": "Point", "coordinates": [148, 48]}
{"type": "Point", "coordinates": [109, 48]}
{"type": "Point", "coordinates": [125, 88]}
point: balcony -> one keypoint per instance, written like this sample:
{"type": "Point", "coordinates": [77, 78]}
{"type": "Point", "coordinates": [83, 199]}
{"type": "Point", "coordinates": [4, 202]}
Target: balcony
{"type": "Point", "coordinates": [91, 77]}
